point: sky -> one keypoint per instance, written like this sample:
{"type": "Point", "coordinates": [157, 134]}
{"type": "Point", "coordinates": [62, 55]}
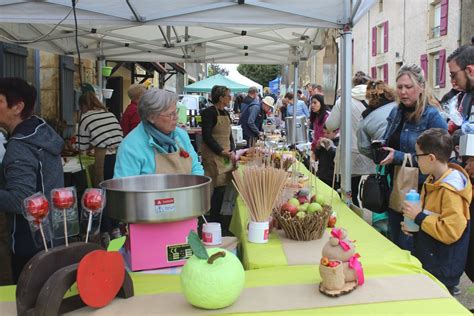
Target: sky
{"type": "Point", "coordinates": [230, 67]}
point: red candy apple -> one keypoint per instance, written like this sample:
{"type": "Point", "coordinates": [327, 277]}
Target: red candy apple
{"type": "Point", "coordinates": [93, 200]}
{"type": "Point", "coordinates": [38, 208]}
{"type": "Point", "coordinates": [63, 198]}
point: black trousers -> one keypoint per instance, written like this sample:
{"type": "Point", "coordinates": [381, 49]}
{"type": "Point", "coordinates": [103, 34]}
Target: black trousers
{"type": "Point", "coordinates": [470, 254]}
{"type": "Point", "coordinates": [215, 212]}
{"type": "Point", "coordinates": [355, 189]}
{"type": "Point", "coordinates": [18, 263]}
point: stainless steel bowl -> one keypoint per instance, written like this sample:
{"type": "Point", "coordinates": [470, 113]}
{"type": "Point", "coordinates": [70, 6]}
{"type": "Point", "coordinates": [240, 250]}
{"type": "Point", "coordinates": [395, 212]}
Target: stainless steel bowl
{"type": "Point", "coordinates": [157, 197]}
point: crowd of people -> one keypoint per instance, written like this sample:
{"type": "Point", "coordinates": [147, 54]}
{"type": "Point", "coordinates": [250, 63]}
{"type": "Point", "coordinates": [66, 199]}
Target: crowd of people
{"type": "Point", "coordinates": [407, 119]}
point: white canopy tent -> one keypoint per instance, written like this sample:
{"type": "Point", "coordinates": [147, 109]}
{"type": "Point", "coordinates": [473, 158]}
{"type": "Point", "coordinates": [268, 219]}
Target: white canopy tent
{"type": "Point", "coordinates": [238, 77]}
{"type": "Point", "coordinates": [213, 31]}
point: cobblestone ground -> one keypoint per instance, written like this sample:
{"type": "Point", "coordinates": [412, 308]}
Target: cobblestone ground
{"type": "Point", "coordinates": [466, 297]}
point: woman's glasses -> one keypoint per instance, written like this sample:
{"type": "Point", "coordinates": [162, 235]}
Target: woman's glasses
{"type": "Point", "coordinates": [171, 116]}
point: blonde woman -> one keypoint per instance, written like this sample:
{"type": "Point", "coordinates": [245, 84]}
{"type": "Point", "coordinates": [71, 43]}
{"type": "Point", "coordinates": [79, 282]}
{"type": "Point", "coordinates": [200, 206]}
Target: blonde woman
{"type": "Point", "coordinates": [413, 115]}
{"type": "Point", "coordinates": [131, 118]}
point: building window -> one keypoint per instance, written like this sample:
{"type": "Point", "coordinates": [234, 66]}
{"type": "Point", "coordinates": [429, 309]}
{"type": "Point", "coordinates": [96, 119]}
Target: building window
{"type": "Point", "coordinates": [437, 66]}
{"type": "Point", "coordinates": [436, 20]}
{"type": "Point", "coordinates": [380, 39]}
{"type": "Point", "coordinates": [435, 69]}
{"type": "Point", "coordinates": [380, 6]}
{"type": "Point", "coordinates": [439, 18]}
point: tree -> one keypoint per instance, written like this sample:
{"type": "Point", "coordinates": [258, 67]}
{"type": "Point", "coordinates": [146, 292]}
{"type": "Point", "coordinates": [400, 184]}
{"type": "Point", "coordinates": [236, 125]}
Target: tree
{"type": "Point", "coordinates": [260, 73]}
{"type": "Point", "coordinates": [215, 69]}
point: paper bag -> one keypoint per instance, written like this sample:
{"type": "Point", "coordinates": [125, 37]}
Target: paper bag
{"type": "Point", "coordinates": [405, 178]}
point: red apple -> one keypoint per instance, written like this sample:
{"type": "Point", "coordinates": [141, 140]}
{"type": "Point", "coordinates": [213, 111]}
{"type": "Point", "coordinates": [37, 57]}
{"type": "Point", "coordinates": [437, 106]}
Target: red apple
{"type": "Point", "coordinates": [38, 208]}
{"type": "Point", "coordinates": [100, 276]}
{"type": "Point", "coordinates": [302, 199]}
{"type": "Point", "coordinates": [93, 200]}
{"type": "Point", "coordinates": [290, 208]}
{"type": "Point", "coordinates": [63, 198]}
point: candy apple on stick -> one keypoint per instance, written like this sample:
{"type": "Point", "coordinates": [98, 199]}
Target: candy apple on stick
{"type": "Point", "coordinates": [63, 199]}
{"type": "Point", "coordinates": [93, 201]}
{"type": "Point", "coordinates": [37, 209]}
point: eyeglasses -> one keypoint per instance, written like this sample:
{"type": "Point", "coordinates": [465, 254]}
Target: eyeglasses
{"type": "Point", "coordinates": [420, 155]}
{"type": "Point", "coordinates": [454, 73]}
{"type": "Point", "coordinates": [172, 116]}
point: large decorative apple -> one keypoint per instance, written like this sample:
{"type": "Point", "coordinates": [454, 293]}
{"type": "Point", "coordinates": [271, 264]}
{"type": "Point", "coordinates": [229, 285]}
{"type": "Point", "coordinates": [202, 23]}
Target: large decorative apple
{"type": "Point", "coordinates": [100, 276]}
{"type": "Point", "coordinates": [63, 198]}
{"type": "Point", "coordinates": [212, 283]}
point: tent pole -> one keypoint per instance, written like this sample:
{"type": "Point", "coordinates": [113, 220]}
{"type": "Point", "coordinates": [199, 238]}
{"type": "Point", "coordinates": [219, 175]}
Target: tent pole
{"type": "Point", "coordinates": [346, 63]}
{"type": "Point", "coordinates": [295, 100]}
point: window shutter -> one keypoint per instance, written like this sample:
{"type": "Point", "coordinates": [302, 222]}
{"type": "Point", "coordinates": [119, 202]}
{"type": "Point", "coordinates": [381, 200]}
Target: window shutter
{"type": "Point", "coordinates": [66, 92]}
{"type": "Point", "coordinates": [373, 71]}
{"type": "Point", "coordinates": [385, 37]}
{"type": "Point", "coordinates": [374, 41]}
{"type": "Point", "coordinates": [385, 73]}
{"type": "Point", "coordinates": [442, 68]}
{"type": "Point", "coordinates": [443, 25]}
{"type": "Point", "coordinates": [424, 64]}
{"type": "Point", "coordinates": [12, 61]}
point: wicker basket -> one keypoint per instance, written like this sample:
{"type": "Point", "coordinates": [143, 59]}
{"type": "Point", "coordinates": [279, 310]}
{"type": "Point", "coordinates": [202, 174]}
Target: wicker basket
{"type": "Point", "coordinates": [310, 227]}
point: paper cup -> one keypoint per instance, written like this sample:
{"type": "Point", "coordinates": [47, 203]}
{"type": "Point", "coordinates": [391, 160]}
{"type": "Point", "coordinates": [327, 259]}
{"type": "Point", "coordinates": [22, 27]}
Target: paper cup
{"type": "Point", "coordinates": [211, 234]}
{"type": "Point", "coordinates": [258, 232]}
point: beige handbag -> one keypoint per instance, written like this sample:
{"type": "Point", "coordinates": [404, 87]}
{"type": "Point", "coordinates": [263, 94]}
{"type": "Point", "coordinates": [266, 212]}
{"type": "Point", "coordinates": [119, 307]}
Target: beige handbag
{"type": "Point", "coordinates": [405, 178]}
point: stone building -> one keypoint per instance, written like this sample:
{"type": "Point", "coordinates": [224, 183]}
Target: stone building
{"type": "Point", "coordinates": [424, 32]}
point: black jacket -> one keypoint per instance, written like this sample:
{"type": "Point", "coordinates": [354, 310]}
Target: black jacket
{"type": "Point", "coordinates": [326, 161]}
{"type": "Point", "coordinates": [32, 163]}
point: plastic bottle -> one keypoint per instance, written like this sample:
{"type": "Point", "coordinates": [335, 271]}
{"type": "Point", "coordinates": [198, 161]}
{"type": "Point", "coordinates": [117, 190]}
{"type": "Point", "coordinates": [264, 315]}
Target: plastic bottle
{"type": "Point", "coordinates": [414, 198]}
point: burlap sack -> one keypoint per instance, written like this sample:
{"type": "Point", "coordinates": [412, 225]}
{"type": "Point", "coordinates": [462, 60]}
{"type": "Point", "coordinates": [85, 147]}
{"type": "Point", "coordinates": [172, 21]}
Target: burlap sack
{"type": "Point", "coordinates": [405, 178]}
{"type": "Point", "coordinates": [332, 278]}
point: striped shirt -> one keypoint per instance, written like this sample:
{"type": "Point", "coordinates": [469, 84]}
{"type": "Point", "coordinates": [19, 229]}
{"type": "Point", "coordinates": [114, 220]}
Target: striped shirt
{"type": "Point", "coordinates": [99, 129]}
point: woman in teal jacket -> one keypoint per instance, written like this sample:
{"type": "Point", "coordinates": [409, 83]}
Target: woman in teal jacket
{"type": "Point", "coordinates": [156, 145]}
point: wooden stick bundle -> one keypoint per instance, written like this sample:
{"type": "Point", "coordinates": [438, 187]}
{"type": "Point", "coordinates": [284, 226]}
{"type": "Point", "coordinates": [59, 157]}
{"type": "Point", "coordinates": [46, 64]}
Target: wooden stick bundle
{"type": "Point", "coordinates": [259, 188]}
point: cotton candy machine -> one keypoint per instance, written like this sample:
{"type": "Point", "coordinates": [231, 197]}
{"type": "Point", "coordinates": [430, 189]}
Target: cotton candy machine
{"type": "Point", "coordinates": [160, 209]}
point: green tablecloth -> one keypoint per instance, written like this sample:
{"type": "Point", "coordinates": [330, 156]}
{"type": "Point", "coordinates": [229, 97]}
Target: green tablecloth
{"type": "Point", "coordinates": [147, 284]}
{"type": "Point", "coordinates": [268, 266]}
{"type": "Point", "coordinates": [378, 253]}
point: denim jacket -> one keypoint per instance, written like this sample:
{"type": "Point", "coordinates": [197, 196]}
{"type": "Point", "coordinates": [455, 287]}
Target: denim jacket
{"type": "Point", "coordinates": [411, 130]}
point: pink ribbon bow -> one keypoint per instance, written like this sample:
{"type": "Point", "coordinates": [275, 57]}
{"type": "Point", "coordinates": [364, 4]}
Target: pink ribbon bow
{"type": "Point", "coordinates": [355, 264]}
{"type": "Point", "coordinates": [337, 233]}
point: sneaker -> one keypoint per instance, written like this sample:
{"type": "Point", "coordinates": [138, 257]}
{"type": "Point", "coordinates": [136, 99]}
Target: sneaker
{"type": "Point", "coordinates": [455, 290]}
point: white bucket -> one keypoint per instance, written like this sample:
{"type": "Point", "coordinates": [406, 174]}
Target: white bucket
{"type": "Point", "coordinates": [107, 93]}
{"type": "Point", "coordinates": [211, 234]}
{"type": "Point", "coordinates": [258, 232]}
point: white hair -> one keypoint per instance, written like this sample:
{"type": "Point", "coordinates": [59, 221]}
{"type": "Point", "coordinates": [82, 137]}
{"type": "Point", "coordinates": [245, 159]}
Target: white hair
{"type": "Point", "coordinates": [155, 101]}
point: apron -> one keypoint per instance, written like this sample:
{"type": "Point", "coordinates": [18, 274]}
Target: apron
{"type": "Point", "coordinates": [99, 154]}
{"type": "Point", "coordinates": [172, 163]}
{"type": "Point", "coordinates": [215, 166]}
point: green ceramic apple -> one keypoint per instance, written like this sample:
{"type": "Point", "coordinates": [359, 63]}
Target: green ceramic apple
{"type": "Point", "coordinates": [213, 283]}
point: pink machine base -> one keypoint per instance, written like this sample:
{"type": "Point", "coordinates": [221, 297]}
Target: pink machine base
{"type": "Point", "coordinates": [161, 245]}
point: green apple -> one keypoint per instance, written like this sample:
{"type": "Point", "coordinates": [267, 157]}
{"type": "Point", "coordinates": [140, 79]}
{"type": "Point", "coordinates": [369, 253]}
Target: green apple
{"type": "Point", "coordinates": [314, 207]}
{"type": "Point", "coordinates": [300, 214]}
{"type": "Point", "coordinates": [294, 202]}
{"type": "Point", "coordinates": [305, 207]}
{"type": "Point", "coordinates": [320, 199]}
{"type": "Point", "coordinates": [213, 285]}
